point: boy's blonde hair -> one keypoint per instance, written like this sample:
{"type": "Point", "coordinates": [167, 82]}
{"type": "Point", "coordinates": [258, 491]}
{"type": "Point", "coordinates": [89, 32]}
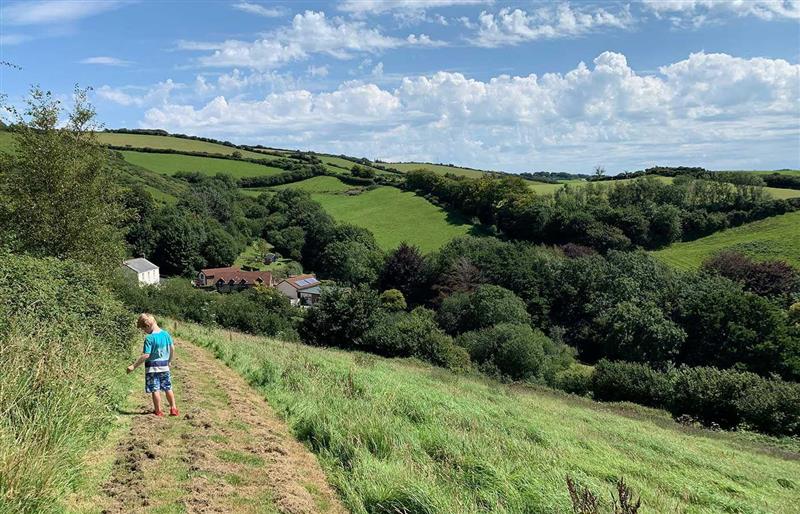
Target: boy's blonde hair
{"type": "Point", "coordinates": [146, 321]}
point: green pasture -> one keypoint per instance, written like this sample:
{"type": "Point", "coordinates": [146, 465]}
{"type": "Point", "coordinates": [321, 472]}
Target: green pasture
{"type": "Point", "coordinates": [174, 163]}
{"type": "Point", "coordinates": [772, 238]}
{"type": "Point", "coordinates": [436, 168]}
{"type": "Point", "coordinates": [170, 142]}
{"type": "Point", "coordinates": [395, 216]}
{"type": "Point", "coordinates": [402, 436]}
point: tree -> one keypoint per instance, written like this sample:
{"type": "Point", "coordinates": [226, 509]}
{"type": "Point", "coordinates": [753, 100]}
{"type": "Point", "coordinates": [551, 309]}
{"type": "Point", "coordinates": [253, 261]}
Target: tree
{"type": "Point", "coordinates": [599, 170]}
{"type": "Point", "coordinates": [514, 350]}
{"type": "Point", "coordinates": [340, 317]}
{"type": "Point", "coordinates": [179, 242]}
{"type": "Point", "coordinates": [59, 196]}
{"type": "Point", "coordinates": [404, 270]}
{"type": "Point", "coordinates": [392, 300]}
{"type": "Point", "coordinates": [220, 249]}
{"type": "Point", "coordinates": [487, 306]}
{"type": "Point", "coordinates": [634, 331]}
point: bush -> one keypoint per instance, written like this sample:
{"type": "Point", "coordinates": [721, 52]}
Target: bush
{"type": "Point", "coordinates": [58, 319]}
{"type": "Point", "coordinates": [393, 300]}
{"type": "Point", "coordinates": [722, 397]}
{"type": "Point", "coordinates": [619, 381]}
{"type": "Point", "coordinates": [340, 317]}
{"type": "Point", "coordinates": [577, 379]}
{"type": "Point", "coordinates": [513, 350]}
{"type": "Point", "coordinates": [768, 278]}
{"type": "Point", "coordinates": [487, 306]}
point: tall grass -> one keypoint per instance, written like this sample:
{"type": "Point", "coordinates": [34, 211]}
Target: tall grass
{"type": "Point", "coordinates": [60, 332]}
{"type": "Point", "coordinates": [397, 436]}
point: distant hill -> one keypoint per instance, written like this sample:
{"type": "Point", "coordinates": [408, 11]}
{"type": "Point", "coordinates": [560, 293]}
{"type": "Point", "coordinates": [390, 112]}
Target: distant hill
{"type": "Point", "coordinates": [771, 238]}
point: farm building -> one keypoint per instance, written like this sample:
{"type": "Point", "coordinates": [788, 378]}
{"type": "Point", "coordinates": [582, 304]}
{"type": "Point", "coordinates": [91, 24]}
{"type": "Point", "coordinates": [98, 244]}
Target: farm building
{"type": "Point", "coordinates": [232, 278]}
{"type": "Point", "coordinates": [301, 289]}
{"type": "Point", "coordinates": [146, 272]}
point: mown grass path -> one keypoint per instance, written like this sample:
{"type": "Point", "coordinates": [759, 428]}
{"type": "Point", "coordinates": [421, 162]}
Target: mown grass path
{"type": "Point", "coordinates": [227, 452]}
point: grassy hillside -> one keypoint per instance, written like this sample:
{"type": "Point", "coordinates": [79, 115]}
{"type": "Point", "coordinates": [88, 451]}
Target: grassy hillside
{"type": "Point", "coordinates": [173, 163]}
{"type": "Point", "coordinates": [436, 168]}
{"type": "Point", "coordinates": [399, 436]}
{"type": "Point", "coordinates": [175, 143]}
{"type": "Point", "coordinates": [318, 185]}
{"type": "Point", "coordinates": [393, 216]}
{"type": "Point", "coordinates": [771, 238]}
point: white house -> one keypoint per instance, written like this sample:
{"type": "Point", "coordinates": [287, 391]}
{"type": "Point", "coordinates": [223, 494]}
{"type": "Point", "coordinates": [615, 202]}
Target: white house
{"type": "Point", "coordinates": [146, 272]}
{"type": "Point", "coordinates": [300, 289]}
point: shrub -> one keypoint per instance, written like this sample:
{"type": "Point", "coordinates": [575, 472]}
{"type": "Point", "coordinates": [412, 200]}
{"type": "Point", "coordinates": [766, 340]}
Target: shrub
{"type": "Point", "coordinates": [515, 351]}
{"type": "Point", "coordinates": [577, 379]}
{"type": "Point", "coordinates": [619, 381]}
{"type": "Point", "coordinates": [393, 300]}
{"type": "Point", "coordinates": [487, 306]}
{"type": "Point", "coordinates": [712, 396]}
{"type": "Point", "coordinates": [768, 278]}
{"type": "Point", "coordinates": [340, 317]}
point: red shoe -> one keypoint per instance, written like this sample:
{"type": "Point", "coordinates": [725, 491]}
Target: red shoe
{"type": "Point", "coordinates": [159, 413]}
{"type": "Point", "coordinates": [173, 411]}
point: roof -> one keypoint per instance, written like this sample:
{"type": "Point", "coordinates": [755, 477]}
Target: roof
{"type": "Point", "coordinates": [139, 265]}
{"type": "Point", "coordinates": [302, 281]}
{"type": "Point", "coordinates": [237, 275]}
{"type": "Point", "coordinates": [312, 290]}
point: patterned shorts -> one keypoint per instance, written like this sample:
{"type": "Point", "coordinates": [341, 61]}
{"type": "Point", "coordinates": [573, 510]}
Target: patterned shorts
{"type": "Point", "coordinates": [161, 381]}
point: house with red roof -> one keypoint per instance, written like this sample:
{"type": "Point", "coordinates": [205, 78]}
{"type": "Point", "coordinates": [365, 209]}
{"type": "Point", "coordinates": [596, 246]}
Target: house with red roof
{"type": "Point", "coordinates": [232, 278]}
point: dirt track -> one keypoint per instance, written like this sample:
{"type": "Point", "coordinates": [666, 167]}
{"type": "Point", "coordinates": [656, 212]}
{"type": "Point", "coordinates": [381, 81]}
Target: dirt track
{"type": "Point", "coordinates": [227, 452]}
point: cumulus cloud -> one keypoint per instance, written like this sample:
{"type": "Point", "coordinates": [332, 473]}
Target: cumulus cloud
{"type": "Point", "coordinates": [137, 96]}
{"type": "Point", "coordinates": [700, 12]}
{"type": "Point", "coordinates": [310, 33]}
{"type": "Point", "coordinates": [701, 110]}
{"type": "Point", "coordinates": [259, 10]}
{"type": "Point", "coordinates": [509, 27]}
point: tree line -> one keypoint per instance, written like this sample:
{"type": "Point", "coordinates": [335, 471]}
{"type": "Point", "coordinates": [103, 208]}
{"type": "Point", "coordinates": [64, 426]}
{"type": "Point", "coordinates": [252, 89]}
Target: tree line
{"type": "Point", "coordinates": [646, 213]}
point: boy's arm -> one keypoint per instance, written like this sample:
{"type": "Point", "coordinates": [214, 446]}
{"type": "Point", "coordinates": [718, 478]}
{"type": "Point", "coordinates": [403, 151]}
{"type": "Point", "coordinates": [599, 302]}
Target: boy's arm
{"type": "Point", "coordinates": [171, 353]}
{"type": "Point", "coordinates": [143, 357]}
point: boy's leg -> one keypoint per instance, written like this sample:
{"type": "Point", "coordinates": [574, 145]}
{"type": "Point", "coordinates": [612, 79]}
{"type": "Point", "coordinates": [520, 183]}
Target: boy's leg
{"type": "Point", "coordinates": [157, 401]}
{"type": "Point", "coordinates": [170, 398]}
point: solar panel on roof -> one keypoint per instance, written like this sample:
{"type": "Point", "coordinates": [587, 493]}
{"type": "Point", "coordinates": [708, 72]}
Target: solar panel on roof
{"type": "Point", "coordinates": [306, 281]}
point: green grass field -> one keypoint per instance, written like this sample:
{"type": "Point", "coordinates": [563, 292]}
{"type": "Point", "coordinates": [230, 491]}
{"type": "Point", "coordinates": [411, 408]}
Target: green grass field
{"type": "Point", "coordinates": [169, 142]}
{"type": "Point", "coordinates": [173, 163]}
{"type": "Point", "coordinates": [393, 216]}
{"type": "Point", "coordinates": [771, 238]}
{"type": "Point", "coordinates": [401, 436]}
{"type": "Point", "coordinates": [782, 194]}
{"type": "Point", "coordinates": [436, 168]}
{"type": "Point", "coordinates": [323, 184]}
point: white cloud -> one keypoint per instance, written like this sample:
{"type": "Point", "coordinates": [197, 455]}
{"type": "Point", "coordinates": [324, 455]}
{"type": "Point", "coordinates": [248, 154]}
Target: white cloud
{"type": "Point", "coordinates": [424, 40]}
{"type": "Point", "coordinates": [509, 27]}
{"type": "Point", "coordinates": [709, 109]}
{"type": "Point", "coordinates": [698, 11]}
{"type": "Point", "coordinates": [382, 6]}
{"type": "Point", "coordinates": [260, 10]}
{"type": "Point", "coordinates": [310, 33]}
{"type": "Point", "coordinates": [106, 61]}
{"type": "Point", "coordinates": [139, 97]}
{"type": "Point", "coordinates": [43, 12]}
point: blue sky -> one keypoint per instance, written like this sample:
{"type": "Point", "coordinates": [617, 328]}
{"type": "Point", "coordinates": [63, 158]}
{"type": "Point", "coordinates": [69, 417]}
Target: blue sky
{"type": "Point", "coordinates": [517, 86]}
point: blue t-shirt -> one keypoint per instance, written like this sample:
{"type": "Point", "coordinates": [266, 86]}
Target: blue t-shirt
{"type": "Point", "coordinates": [157, 345]}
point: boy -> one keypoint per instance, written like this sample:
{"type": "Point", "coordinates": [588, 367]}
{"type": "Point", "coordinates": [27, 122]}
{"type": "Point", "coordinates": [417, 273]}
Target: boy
{"type": "Point", "coordinates": [157, 357]}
